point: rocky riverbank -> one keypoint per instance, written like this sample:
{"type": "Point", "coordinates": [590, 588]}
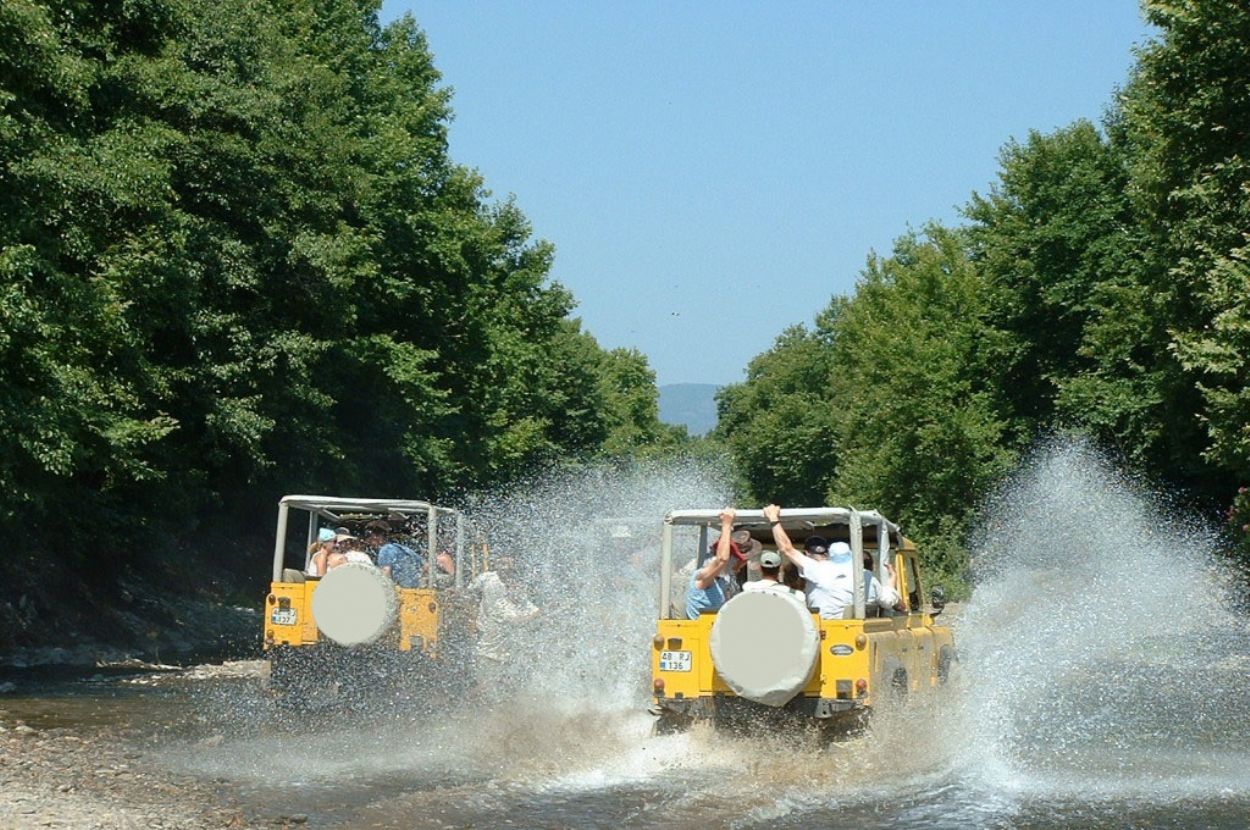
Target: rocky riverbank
{"type": "Point", "coordinates": [61, 778]}
{"type": "Point", "coordinates": [98, 772]}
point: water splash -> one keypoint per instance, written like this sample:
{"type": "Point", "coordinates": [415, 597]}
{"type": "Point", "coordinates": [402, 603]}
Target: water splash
{"type": "Point", "coordinates": [1100, 652]}
{"type": "Point", "coordinates": [1103, 676]}
{"type": "Point", "coordinates": [587, 543]}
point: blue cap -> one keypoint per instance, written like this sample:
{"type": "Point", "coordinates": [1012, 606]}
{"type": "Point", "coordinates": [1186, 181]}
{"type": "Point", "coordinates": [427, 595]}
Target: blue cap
{"type": "Point", "coordinates": [840, 552]}
{"type": "Point", "coordinates": [326, 534]}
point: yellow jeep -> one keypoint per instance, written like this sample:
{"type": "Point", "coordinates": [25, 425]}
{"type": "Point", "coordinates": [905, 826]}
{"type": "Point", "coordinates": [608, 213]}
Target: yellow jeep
{"type": "Point", "coordinates": [322, 632]}
{"type": "Point", "coordinates": [767, 658]}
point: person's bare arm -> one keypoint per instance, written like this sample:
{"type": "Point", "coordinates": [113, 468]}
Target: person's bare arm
{"type": "Point", "coordinates": [713, 568]}
{"type": "Point", "coordinates": [773, 514]}
{"type": "Point", "coordinates": [891, 583]}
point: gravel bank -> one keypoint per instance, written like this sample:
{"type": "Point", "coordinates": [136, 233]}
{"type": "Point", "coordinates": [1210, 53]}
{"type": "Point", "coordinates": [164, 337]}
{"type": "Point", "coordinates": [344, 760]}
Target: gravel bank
{"type": "Point", "coordinates": [57, 778]}
{"type": "Point", "coordinates": [97, 779]}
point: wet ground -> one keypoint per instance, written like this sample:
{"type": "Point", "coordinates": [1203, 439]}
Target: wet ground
{"type": "Point", "coordinates": [214, 732]}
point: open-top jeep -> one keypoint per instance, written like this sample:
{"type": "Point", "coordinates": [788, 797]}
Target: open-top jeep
{"type": "Point", "coordinates": [322, 632]}
{"type": "Point", "coordinates": [768, 658]}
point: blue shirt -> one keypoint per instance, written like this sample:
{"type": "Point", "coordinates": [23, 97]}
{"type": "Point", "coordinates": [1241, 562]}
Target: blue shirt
{"type": "Point", "coordinates": [406, 564]}
{"type": "Point", "coordinates": [699, 599]}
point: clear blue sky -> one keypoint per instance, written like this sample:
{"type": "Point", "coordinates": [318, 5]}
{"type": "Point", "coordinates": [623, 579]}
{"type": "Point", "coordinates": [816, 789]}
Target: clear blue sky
{"type": "Point", "coordinates": [711, 173]}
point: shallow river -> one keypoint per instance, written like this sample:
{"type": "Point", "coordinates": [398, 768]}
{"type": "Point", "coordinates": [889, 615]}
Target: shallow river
{"type": "Point", "coordinates": [1104, 681]}
{"type": "Point", "coordinates": [530, 766]}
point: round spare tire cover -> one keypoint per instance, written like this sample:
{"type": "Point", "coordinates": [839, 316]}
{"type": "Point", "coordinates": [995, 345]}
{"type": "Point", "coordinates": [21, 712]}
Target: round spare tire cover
{"type": "Point", "coordinates": [354, 604]}
{"type": "Point", "coordinates": [765, 646]}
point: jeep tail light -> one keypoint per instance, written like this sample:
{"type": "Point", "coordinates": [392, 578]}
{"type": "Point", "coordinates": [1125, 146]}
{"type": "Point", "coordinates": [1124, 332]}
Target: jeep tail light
{"type": "Point", "coordinates": [657, 686]}
{"type": "Point", "coordinates": [861, 686]}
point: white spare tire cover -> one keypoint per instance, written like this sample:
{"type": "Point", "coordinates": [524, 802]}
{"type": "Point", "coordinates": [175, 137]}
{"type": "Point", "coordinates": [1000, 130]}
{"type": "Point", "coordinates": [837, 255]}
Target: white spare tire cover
{"type": "Point", "coordinates": [765, 646]}
{"type": "Point", "coordinates": [354, 604]}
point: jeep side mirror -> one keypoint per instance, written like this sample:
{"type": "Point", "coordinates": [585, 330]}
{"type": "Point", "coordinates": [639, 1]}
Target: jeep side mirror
{"type": "Point", "coordinates": [937, 598]}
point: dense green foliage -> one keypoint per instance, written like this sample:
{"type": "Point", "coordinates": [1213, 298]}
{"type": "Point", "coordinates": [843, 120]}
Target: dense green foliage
{"type": "Point", "coordinates": [774, 420]}
{"type": "Point", "coordinates": [1101, 285]}
{"type": "Point", "coordinates": [236, 260]}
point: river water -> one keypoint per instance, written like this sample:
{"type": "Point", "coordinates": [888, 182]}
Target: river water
{"type": "Point", "coordinates": [1104, 681]}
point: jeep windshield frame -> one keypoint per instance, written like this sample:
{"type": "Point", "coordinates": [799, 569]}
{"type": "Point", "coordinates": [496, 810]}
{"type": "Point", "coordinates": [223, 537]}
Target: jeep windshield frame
{"type": "Point", "coordinates": [793, 518]}
{"type": "Point", "coordinates": [334, 508]}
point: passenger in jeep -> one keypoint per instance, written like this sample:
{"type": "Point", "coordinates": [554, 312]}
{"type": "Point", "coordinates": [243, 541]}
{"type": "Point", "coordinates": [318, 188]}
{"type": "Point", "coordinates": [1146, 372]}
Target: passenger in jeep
{"type": "Point", "coordinates": [444, 568]}
{"type": "Point", "coordinates": [320, 552]}
{"type": "Point", "coordinates": [347, 548]}
{"type": "Point", "coordinates": [712, 584]}
{"type": "Point", "coordinates": [400, 562]}
{"type": "Point", "coordinates": [354, 550]}
{"type": "Point", "coordinates": [827, 568]}
{"type": "Point", "coordinates": [770, 578]}
{"type": "Point", "coordinates": [876, 593]}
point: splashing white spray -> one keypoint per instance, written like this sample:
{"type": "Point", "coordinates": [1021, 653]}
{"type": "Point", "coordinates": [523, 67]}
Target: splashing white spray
{"type": "Point", "coordinates": [1100, 666]}
{"type": "Point", "coordinates": [586, 544]}
{"type": "Point", "coordinates": [1099, 651]}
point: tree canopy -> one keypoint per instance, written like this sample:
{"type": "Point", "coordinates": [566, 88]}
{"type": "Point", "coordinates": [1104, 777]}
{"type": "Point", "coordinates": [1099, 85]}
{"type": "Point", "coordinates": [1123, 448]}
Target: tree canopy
{"type": "Point", "coordinates": [1100, 285]}
{"type": "Point", "coordinates": [236, 260]}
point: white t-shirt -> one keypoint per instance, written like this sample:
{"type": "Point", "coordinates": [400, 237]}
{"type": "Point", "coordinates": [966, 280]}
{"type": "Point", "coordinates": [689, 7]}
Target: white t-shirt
{"type": "Point", "coordinates": [500, 616]}
{"type": "Point", "coordinates": [768, 586]}
{"type": "Point", "coordinates": [878, 593]}
{"type": "Point", "coordinates": [829, 585]}
{"type": "Point", "coordinates": [358, 556]}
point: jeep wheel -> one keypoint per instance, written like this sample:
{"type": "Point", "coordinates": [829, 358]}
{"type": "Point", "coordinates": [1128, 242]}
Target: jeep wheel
{"type": "Point", "coordinates": [895, 676]}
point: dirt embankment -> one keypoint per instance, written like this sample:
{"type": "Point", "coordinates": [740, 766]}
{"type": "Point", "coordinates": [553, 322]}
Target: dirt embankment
{"type": "Point", "coordinates": [69, 624]}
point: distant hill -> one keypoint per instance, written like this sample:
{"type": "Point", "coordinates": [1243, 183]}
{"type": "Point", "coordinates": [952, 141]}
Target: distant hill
{"type": "Point", "coordinates": [692, 404]}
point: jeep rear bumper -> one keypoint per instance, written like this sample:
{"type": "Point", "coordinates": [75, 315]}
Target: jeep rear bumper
{"type": "Point", "coordinates": [722, 706]}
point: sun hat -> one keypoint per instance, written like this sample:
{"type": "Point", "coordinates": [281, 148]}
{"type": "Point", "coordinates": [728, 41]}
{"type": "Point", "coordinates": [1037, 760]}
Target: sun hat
{"type": "Point", "coordinates": [840, 552]}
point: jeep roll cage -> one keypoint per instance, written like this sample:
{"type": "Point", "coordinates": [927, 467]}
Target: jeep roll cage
{"type": "Point", "coordinates": [335, 510]}
{"type": "Point", "coordinates": [803, 521]}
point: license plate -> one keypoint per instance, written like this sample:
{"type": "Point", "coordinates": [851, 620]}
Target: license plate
{"type": "Point", "coordinates": [675, 661]}
{"type": "Point", "coordinates": [283, 616]}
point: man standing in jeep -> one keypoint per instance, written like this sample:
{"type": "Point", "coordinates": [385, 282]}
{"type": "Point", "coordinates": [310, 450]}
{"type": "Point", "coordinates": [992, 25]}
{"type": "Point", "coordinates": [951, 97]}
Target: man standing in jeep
{"type": "Point", "coordinates": [830, 579]}
{"type": "Point", "coordinates": [770, 578]}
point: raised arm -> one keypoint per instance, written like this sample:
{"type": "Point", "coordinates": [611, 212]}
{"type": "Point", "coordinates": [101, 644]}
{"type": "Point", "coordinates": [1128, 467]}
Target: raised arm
{"type": "Point", "coordinates": [773, 514]}
{"type": "Point", "coordinates": [714, 567]}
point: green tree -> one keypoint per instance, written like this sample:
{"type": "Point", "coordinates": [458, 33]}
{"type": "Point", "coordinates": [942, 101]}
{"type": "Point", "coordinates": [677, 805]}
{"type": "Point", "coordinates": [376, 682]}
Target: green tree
{"type": "Point", "coordinates": [1186, 117]}
{"type": "Point", "coordinates": [778, 424]}
{"type": "Point", "coordinates": [1050, 240]}
{"type": "Point", "coordinates": [632, 406]}
{"type": "Point", "coordinates": [237, 259]}
{"type": "Point", "coordinates": [918, 419]}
